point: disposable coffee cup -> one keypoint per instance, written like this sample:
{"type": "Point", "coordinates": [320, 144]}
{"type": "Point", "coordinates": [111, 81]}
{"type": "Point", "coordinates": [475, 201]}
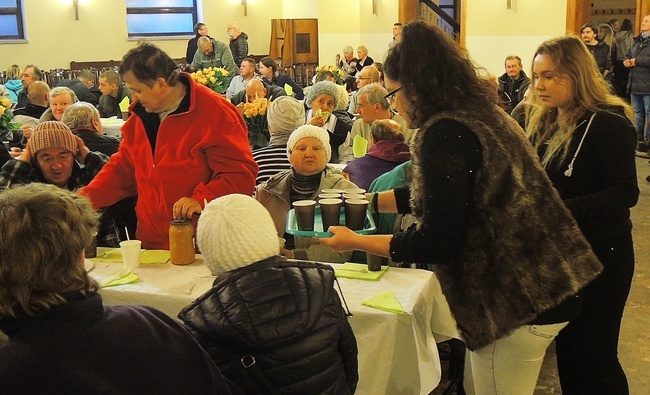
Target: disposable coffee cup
{"type": "Point", "coordinates": [359, 191]}
{"type": "Point", "coordinates": [332, 190]}
{"type": "Point", "coordinates": [131, 253]}
{"type": "Point", "coordinates": [304, 211]}
{"type": "Point", "coordinates": [355, 213]}
{"type": "Point", "coordinates": [374, 262]}
{"type": "Point", "coordinates": [91, 249]}
{"type": "Point", "coordinates": [356, 196]}
{"type": "Point", "coordinates": [329, 196]}
{"type": "Point", "coordinates": [125, 115]}
{"type": "Point", "coordinates": [330, 211]}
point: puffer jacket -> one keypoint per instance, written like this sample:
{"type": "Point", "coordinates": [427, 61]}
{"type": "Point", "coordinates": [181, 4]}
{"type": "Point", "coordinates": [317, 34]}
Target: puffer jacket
{"type": "Point", "coordinates": [274, 195]}
{"type": "Point", "coordinates": [639, 80]}
{"type": "Point", "coordinates": [239, 48]}
{"type": "Point", "coordinates": [288, 316]}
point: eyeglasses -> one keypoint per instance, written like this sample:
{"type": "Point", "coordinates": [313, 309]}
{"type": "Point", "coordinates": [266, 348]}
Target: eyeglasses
{"type": "Point", "coordinates": [391, 95]}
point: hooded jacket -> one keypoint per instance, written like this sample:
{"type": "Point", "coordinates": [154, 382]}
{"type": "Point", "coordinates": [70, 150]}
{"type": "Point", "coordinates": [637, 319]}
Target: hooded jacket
{"type": "Point", "coordinates": [382, 157]}
{"type": "Point", "coordinates": [521, 253]}
{"type": "Point", "coordinates": [288, 316]}
{"type": "Point", "coordinates": [13, 89]}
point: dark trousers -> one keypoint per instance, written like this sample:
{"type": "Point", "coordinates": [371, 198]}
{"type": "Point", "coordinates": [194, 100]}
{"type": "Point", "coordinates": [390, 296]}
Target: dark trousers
{"type": "Point", "coordinates": [587, 349]}
{"type": "Point", "coordinates": [621, 74]}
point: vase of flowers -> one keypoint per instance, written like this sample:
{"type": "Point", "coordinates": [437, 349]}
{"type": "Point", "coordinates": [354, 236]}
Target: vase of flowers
{"type": "Point", "coordinates": [258, 127]}
{"type": "Point", "coordinates": [214, 78]}
{"type": "Point", "coordinates": [339, 73]}
{"type": "Point", "coordinates": [6, 126]}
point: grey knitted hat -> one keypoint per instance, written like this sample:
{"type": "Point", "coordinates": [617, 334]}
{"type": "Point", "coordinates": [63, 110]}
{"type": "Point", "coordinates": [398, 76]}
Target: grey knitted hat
{"type": "Point", "coordinates": [286, 114]}
{"type": "Point", "coordinates": [323, 87]}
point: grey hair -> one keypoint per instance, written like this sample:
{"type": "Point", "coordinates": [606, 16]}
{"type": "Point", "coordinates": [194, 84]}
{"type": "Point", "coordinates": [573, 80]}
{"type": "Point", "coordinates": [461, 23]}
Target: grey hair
{"type": "Point", "coordinates": [80, 115]}
{"type": "Point", "coordinates": [60, 90]}
{"type": "Point", "coordinates": [375, 93]}
{"type": "Point", "coordinates": [348, 48]}
{"type": "Point", "coordinates": [323, 87]}
{"type": "Point", "coordinates": [203, 42]}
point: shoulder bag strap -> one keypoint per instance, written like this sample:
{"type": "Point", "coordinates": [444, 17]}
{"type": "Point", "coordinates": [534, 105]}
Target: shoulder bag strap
{"type": "Point", "coordinates": [258, 375]}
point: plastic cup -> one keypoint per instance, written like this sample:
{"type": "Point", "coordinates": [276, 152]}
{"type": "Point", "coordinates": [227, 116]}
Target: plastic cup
{"type": "Point", "coordinates": [131, 253]}
{"type": "Point", "coordinates": [374, 262]}
{"type": "Point", "coordinates": [359, 191]}
{"type": "Point", "coordinates": [332, 190]}
{"type": "Point", "coordinates": [355, 213]}
{"type": "Point", "coordinates": [305, 210]}
{"type": "Point", "coordinates": [357, 196]}
{"type": "Point", "coordinates": [91, 249]}
{"type": "Point", "coordinates": [330, 211]}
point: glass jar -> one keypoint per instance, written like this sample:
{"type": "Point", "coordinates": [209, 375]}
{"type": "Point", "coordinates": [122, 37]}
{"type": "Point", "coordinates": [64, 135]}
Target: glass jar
{"type": "Point", "coordinates": [181, 242]}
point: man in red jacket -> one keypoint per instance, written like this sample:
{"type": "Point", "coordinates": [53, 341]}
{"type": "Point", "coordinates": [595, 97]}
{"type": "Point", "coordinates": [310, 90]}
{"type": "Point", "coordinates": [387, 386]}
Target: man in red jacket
{"type": "Point", "coordinates": [182, 145]}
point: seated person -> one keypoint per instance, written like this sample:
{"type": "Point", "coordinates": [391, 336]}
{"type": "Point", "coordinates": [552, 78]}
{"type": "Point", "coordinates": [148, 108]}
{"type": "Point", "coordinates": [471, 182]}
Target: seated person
{"type": "Point", "coordinates": [285, 115]}
{"type": "Point", "coordinates": [292, 323]}
{"type": "Point", "coordinates": [84, 121]}
{"type": "Point", "coordinates": [54, 155]}
{"type": "Point", "coordinates": [387, 151]}
{"type": "Point", "coordinates": [309, 151]}
{"type": "Point", "coordinates": [89, 79]}
{"type": "Point", "coordinates": [113, 92]}
{"type": "Point", "coordinates": [62, 339]}
{"type": "Point", "coordinates": [246, 73]}
{"type": "Point", "coordinates": [322, 99]}
{"type": "Point", "coordinates": [213, 53]}
{"type": "Point", "coordinates": [61, 98]}
{"type": "Point", "coordinates": [39, 101]}
{"type": "Point", "coordinates": [256, 88]}
{"type": "Point", "coordinates": [269, 70]}
{"type": "Point", "coordinates": [81, 89]}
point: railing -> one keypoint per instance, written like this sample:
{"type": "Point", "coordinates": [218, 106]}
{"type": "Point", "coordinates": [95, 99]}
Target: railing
{"type": "Point", "coordinates": [431, 12]}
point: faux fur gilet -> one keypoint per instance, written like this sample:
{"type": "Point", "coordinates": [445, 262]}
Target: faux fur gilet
{"type": "Point", "coordinates": [524, 252]}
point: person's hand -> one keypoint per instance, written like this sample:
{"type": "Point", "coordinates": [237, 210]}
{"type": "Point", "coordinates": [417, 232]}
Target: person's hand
{"type": "Point", "coordinates": [82, 150]}
{"type": "Point", "coordinates": [26, 155]}
{"type": "Point", "coordinates": [287, 253]}
{"type": "Point", "coordinates": [629, 62]}
{"type": "Point", "coordinates": [240, 109]}
{"type": "Point", "coordinates": [185, 207]}
{"type": "Point", "coordinates": [338, 58]}
{"type": "Point", "coordinates": [27, 131]}
{"type": "Point", "coordinates": [15, 152]}
{"type": "Point", "coordinates": [344, 239]}
{"type": "Point", "coordinates": [318, 120]}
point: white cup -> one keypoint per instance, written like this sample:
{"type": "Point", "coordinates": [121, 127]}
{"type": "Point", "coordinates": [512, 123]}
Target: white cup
{"type": "Point", "coordinates": [131, 253]}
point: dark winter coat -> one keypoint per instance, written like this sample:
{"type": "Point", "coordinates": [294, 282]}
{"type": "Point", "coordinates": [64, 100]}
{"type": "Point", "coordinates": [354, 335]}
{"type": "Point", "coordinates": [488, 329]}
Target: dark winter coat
{"type": "Point", "coordinates": [288, 316]}
{"type": "Point", "coordinates": [239, 48]}
{"type": "Point", "coordinates": [512, 91]}
{"type": "Point", "coordinates": [639, 80]}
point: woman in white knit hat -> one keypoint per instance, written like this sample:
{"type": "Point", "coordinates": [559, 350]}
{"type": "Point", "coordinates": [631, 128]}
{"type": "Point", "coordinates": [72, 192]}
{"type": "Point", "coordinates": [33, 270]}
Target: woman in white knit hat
{"type": "Point", "coordinates": [309, 151]}
{"type": "Point", "coordinates": [285, 315]}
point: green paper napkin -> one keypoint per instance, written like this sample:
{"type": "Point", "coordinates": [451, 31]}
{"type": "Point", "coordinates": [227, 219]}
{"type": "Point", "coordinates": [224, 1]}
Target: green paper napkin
{"type": "Point", "coordinates": [121, 278]}
{"type": "Point", "coordinates": [124, 104]}
{"type": "Point", "coordinates": [385, 301]}
{"type": "Point", "coordinates": [114, 255]}
{"type": "Point", "coordinates": [288, 89]}
{"type": "Point", "coordinates": [154, 256]}
{"type": "Point", "coordinates": [359, 271]}
{"type": "Point", "coordinates": [359, 146]}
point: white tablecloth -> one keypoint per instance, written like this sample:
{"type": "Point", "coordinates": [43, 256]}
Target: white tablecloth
{"type": "Point", "coordinates": [112, 126]}
{"type": "Point", "coordinates": [397, 352]}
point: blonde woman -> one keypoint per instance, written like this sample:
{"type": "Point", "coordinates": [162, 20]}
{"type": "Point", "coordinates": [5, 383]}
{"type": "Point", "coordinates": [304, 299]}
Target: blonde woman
{"type": "Point", "coordinates": [13, 84]}
{"type": "Point", "coordinates": [364, 59]}
{"type": "Point", "coordinates": [586, 140]}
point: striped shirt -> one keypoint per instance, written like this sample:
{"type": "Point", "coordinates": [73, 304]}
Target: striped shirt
{"type": "Point", "coordinates": [272, 160]}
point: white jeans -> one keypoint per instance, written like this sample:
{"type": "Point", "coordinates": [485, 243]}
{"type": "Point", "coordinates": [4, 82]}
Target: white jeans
{"type": "Point", "coordinates": [511, 364]}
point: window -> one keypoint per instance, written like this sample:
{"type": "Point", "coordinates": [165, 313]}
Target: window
{"type": "Point", "coordinates": [145, 18]}
{"type": "Point", "coordinates": [11, 20]}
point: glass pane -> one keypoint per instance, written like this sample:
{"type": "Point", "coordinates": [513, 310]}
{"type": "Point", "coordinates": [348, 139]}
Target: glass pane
{"type": "Point", "coordinates": [446, 2]}
{"type": "Point", "coordinates": [159, 23]}
{"type": "Point", "coordinates": [157, 3]}
{"type": "Point", "coordinates": [7, 3]}
{"type": "Point", "coordinates": [8, 25]}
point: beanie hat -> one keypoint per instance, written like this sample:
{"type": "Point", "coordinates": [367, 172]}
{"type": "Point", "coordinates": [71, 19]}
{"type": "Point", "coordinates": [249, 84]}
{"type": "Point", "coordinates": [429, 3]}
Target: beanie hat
{"type": "Point", "coordinates": [323, 87]}
{"type": "Point", "coordinates": [310, 131]}
{"type": "Point", "coordinates": [286, 114]}
{"type": "Point", "coordinates": [235, 231]}
{"type": "Point", "coordinates": [52, 134]}
{"type": "Point", "coordinates": [344, 98]}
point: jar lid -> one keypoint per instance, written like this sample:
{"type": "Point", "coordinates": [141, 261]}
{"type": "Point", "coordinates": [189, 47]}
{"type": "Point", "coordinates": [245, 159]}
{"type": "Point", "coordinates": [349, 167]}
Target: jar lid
{"type": "Point", "coordinates": [179, 222]}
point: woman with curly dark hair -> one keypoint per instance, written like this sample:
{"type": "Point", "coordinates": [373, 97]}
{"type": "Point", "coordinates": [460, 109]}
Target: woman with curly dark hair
{"type": "Point", "coordinates": [509, 257]}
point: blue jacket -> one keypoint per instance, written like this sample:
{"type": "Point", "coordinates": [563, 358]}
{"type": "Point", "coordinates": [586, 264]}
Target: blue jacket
{"type": "Point", "coordinates": [13, 88]}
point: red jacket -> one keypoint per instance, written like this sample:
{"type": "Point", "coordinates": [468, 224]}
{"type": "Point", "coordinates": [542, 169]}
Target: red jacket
{"type": "Point", "coordinates": [202, 153]}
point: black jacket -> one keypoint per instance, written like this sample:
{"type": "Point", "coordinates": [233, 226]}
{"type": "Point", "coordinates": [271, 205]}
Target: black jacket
{"type": "Point", "coordinates": [512, 91]}
{"type": "Point", "coordinates": [288, 316]}
{"type": "Point", "coordinates": [239, 48]}
{"type": "Point", "coordinates": [639, 80]}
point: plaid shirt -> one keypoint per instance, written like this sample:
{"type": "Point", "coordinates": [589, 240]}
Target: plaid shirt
{"type": "Point", "coordinates": [16, 172]}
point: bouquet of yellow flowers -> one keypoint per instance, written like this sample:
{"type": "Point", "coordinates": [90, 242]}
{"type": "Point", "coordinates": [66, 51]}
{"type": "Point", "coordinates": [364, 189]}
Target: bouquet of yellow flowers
{"type": "Point", "coordinates": [214, 78]}
{"type": "Point", "coordinates": [255, 117]}
{"type": "Point", "coordinates": [340, 75]}
{"type": "Point", "coordinates": [6, 115]}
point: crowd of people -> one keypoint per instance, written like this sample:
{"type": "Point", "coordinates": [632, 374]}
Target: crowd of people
{"type": "Point", "coordinates": [519, 197]}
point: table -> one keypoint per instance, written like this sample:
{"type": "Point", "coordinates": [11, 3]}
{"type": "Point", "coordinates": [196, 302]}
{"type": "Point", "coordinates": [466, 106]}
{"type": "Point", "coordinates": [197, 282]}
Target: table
{"type": "Point", "coordinates": [397, 352]}
{"type": "Point", "coordinates": [112, 126]}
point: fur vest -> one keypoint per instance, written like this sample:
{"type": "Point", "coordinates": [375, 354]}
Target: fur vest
{"type": "Point", "coordinates": [524, 252]}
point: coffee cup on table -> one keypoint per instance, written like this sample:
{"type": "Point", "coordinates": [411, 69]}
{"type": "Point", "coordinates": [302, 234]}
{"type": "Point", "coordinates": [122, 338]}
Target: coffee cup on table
{"type": "Point", "coordinates": [330, 210]}
{"type": "Point", "coordinates": [359, 191]}
{"type": "Point", "coordinates": [329, 196]}
{"type": "Point", "coordinates": [332, 190]}
{"type": "Point", "coordinates": [131, 253]}
{"type": "Point", "coordinates": [355, 213]}
{"type": "Point", "coordinates": [304, 211]}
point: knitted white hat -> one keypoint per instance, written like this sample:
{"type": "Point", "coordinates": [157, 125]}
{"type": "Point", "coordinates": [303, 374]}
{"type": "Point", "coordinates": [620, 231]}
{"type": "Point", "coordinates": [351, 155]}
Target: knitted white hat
{"type": "Point", "coordinates": [52, 134]}
{"type": "Point", "coordinates": [310, 131]}
{"type": "Point", "coordinates": [235, 231]}
{"type": "Point", "coordinates": [286, 114]}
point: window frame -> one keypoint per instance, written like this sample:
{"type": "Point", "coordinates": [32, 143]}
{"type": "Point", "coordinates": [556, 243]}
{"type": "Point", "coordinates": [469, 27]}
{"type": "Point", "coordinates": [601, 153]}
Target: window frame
{"type": "Point", "coordinates": [18, 12]}
{"type": "Point", "coordinates": [194, 10]}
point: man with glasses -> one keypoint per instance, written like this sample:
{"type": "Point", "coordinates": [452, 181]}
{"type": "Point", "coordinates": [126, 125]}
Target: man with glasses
{"type": "Point", "coordinates": [367, 76]}
{"type": "Point", "coordinates": [373, 105]}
